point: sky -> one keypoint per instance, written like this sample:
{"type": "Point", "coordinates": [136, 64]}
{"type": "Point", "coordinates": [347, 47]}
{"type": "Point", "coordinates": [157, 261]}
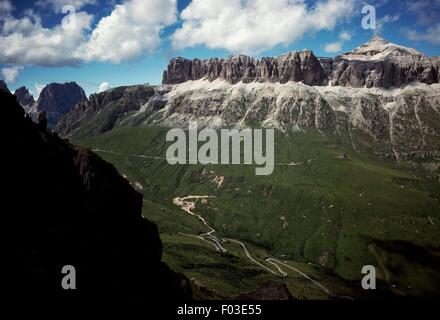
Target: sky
{"type": "Point", "coordinates": [109, 43]}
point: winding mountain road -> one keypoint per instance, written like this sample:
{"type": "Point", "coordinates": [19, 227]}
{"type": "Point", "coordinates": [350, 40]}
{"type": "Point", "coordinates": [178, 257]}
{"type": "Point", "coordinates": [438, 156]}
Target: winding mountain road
{"type": "Point", "coordinates": [188, 206]}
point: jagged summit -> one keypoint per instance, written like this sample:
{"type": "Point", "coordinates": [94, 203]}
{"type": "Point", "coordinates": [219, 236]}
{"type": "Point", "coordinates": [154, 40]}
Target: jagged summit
{"type": "Point", "coordinates": [24, 97]}
{"type": "Point", "coordinates": [297, 66]}
{"type": "Point", "coordinates": [379, 48]}
{"type": "Point", "coordinates": [57, 99]}
{"type": "Point", "coordinates": [4, 87]}
{"type": "Point", "coordinates": [377, 63]}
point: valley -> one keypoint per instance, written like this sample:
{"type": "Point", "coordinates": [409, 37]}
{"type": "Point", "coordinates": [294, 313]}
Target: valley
{"type": "Point", "coordinates": [326, 218]}
{"type": "Point", "coordinates": [350, 178]}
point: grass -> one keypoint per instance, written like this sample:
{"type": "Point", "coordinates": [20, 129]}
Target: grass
{"type": "Point", "coordinates": [348, 211]}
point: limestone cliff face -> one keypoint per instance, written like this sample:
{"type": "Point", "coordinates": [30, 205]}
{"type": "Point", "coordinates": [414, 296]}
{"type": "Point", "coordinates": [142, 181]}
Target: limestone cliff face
{"type": "Point", "coordinates": [104, 110]}
{"type": "Point", "coordinates": [381, 97]}
{"type": "Point", "coordinates": [377, 63]}
{"type": "Point", "coordinates": [300, 66]}
{"type": "Point", "coordinates": [401, 124]}
{"type": "Point", "coordinates": [64, 205]}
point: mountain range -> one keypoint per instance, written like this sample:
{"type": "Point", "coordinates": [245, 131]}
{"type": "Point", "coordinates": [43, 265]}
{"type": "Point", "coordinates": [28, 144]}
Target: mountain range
{"type": "Point", "coordinates": [355, 182]}
{"type": "Point", "coordinates": [378, 63]}
{"type": "Point", "coordinates": [381, 98]}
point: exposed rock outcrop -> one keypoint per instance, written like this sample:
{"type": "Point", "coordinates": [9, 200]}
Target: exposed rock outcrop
{"type": "Point", "coordinates": [4, 87]}
{"type": "Point", "coordinates": [285, 107]}
{"type": "Point", "coordinates": [300, 66]}
{"type": "Point", "coordinates": [110, 107]}
{"type": "Point", "coordinates": [378, 63]}
{"type": "Point", "coordinates": [57, 99]}
{"type": "Point", "coordinates": [24, 97]}
{"type": "Point", "coordinates": [400, 123]}
{"type": "Point", "coordinates": [69, 207]}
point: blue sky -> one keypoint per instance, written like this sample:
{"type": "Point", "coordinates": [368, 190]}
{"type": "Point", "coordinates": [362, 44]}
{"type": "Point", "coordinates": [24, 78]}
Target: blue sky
{"type": "Point", "coordinates": [130, 41]}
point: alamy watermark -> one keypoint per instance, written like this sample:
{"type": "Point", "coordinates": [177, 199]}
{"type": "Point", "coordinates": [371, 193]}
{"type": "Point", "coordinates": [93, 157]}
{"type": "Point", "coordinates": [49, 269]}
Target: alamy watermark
{"type": "Point", "coordinates": [69, 21]}
{"type": "Point", "coordinates": [68, 282]}
{"type": "Point", "coordinates": [369, 280]}
{"type": "Point", "coordinates": [369, 20]}
{"type": "Point", "coordinates": [232, 144]}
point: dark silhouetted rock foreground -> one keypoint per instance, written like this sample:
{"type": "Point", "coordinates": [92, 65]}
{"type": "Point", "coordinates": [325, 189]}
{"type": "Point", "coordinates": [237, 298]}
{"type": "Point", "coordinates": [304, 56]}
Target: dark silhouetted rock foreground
{"type": "Point", "coordinates": [64, 205]}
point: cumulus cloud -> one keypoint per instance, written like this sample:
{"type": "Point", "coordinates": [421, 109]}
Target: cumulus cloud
{"type": "Point", "coordinates": [345, 36]}
{"type": "Point", "coordinates": [26, 41]}
{"type": "Point", "coordinates": [10, 74]}
{"type": "Point", "coordinates": [38, 88]}
{"type": "Point", "coordinates": [5, 7]}
{"type": "Point", "coordinates": [104, 86]}
{"type": "Point", "coordinates": [426, 11]}
{"type": "Point", "coordinates": [335, 47]}
{"type": "Point", "coordinates": [432, 35]}
{"type": "Point", "coordinates": [380, 23]}
{"type": "Point", "coordinates": [131, 29]}
{"type": "Point", "coordinates": [251, 26]}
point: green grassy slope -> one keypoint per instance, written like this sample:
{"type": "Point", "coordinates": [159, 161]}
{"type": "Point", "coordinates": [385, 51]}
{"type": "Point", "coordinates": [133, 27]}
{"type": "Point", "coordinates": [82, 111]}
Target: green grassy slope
{"type": "Point", "coordinates": [328, 215]}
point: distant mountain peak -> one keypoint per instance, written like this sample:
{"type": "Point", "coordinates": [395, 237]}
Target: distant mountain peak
{"type": "Point", "coordinates": [4, 87]}
{"type": "Point", "coordinates": [379, 48]}
{"type": "Point", "coordinates": [57, 99]}
{"type": "Point", "coordinates": [24, 97]}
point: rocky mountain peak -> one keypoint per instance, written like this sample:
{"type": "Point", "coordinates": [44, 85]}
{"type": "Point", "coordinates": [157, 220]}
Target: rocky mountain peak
{"type": "Point", "coordinates": [298, 66]}
{"type": "Point", "coordinates": [379, 48]}
{"type": "Point", "coordinates": [24, 97]}
{"type": "Point", "coordinates": [57, 99]}
{"type": "Point", "coordinates": [4, 87]}
{"type": "Point", "coordinates": [377, 63]}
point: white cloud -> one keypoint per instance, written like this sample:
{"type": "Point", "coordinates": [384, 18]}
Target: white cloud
{"type": "Point", "coordinates": [26, 41]}
{"type": "Point", "coordinates": [427, 12]}
{"type": "Point", "coordinates": [38, 88]}
{"type": "Point", "coordinates": [131, 29]}
{"type": "Point", "coordinates": [384, 20]}
{"type": "Point", "coordinates": [431, 35]}
{"type": "Point", "coordinates": [345, 36]}
{"type": "Point", "coordinates": [104, 86]}
{"type": "Point", "coordinates": [10, 74]}
{"type": "Point", "coordinates": [5, 7]}
{"type": "Point", "coordinates": [251, 26]}
{"type": "Point", "coordinates": [333, 47]}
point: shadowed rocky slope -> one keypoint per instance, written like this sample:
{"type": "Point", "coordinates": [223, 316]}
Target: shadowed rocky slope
{"type": "Point", "coordinates": [4, 87]}
{"type": "Point", "coordinates": [64, 205]}
{"type": "Point", "coordinates": [57, 99]}
{"type": "Point", "coordinates": [24, 97]}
